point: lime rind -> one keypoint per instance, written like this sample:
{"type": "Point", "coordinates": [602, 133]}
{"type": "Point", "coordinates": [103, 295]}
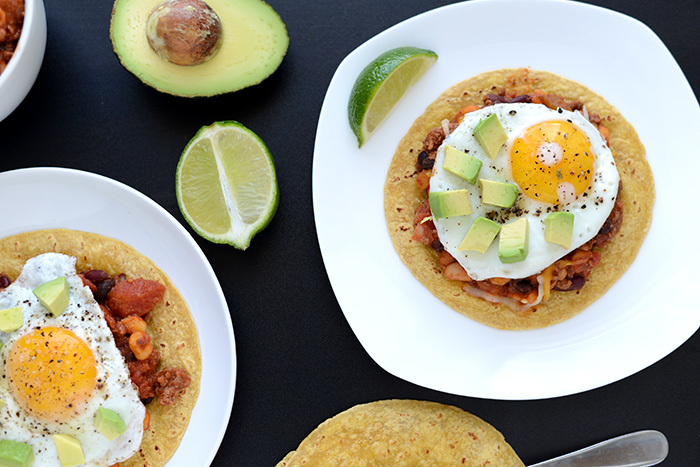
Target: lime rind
{"type": "Point", "coordinates": [370, 90]}
{"type": "Point", "coordinates": [232, 183]}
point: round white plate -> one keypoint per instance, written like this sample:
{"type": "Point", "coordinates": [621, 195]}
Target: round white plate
{"type": "Point", "coordinates": [647, 314]}
{"type": "Point", "coordinates": [42, 198]}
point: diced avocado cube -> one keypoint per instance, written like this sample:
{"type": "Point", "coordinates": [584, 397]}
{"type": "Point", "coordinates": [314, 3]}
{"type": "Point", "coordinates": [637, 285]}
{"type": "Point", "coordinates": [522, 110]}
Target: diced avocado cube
{"type": "Point", "coordinates": [480, 235]}
{"type": "Point", "coordinates": [70, 452]}
{"type": "Point", "coordinates": [449, 203]}
{"type": "Point", "coordinates": [461, 164]}
{"type": "Point", "coordinates": [559, 228]}
{"type": "Point", "coordinates": [109, 423]}
{"type": "Point", "coordinates": [500, 194]}
{"type": "Point", "coordinates": [512, 245]}
{"type": "Point", "coordinates": [15, 454]}
{"type": "Point", "coordinates": [54, 295]}
{"type": "Point", "coordinates": [490, 134]}
{"type": "Point", "coordinates": [11, 319]}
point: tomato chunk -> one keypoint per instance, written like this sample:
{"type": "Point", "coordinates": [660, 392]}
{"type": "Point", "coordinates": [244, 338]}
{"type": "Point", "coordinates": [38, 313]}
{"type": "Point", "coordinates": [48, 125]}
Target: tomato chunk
{"type": "Point", "coordinates": [134, 297]}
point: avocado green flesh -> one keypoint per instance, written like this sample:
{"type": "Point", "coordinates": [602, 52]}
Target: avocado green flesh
{"type": "Point", "coordinates": [449, 203]}
{"type": "Point", "coordinates": [490, 134]}
{"type": "Point", "coordinates": [254, 42]}
{"type": "Point", "coordinates": [462, 164]}
{"type": "Point", "coordinates": [558, 228]}
{"type": "Point", "coordinates": [11, 319]}
{"type": "Point", "coordinates": [513, 243]}
{"type": "Point", "coordinates": [498, 193]}
{"type": "Point", "coordinates": [15, 454]}
{"type": "Point", "coordinates": [109, 423]}
{"type": "Point", "coordinates": [54, 295]}
{"type": "Point", "coordinates": [480, 235]}
{"type": "Point", "coordinates": [68, 449]}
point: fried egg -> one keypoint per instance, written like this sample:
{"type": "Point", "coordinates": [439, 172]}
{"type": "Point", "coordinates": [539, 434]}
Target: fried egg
{"type": "Point", "coordinates": [558, 160]}
{"type": "Point", "coordinates": [59, 370]}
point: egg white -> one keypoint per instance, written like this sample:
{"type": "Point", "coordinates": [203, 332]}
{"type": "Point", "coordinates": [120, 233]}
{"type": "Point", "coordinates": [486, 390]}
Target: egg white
{"type": "Point", "coordinates": [114, 391]}
{"type": "Point", "coordinates": [590, 209]}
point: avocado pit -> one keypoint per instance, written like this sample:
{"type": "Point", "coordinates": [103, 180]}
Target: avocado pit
{"type": "Point", "coordinates": [184, 32]}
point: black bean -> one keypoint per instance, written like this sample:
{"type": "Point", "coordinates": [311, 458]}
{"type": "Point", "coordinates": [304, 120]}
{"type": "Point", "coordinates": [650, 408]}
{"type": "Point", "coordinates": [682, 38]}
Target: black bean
{"type": "Point", "coordinates": [96, 276]}
{"type": "Point", "coordinates": [494, 99]}
{"type": "Point", "coordinates": [146, 401]}
{"type": "Point", "coordinates": [522, 286]}
{"type": "Point", "coordinates": [575, 283]}
{"type": "Point", "coordinates": [521, 98]}
{"type": "Point", "coordinates": [4, 281]}
{"type": "Point", "coordinates": [424, 161]}
{"type": "Point", "coordinates": [102, 290]}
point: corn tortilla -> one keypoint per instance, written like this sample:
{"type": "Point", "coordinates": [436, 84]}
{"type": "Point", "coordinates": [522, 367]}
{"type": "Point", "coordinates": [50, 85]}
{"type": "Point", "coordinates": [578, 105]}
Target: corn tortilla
{"type": "Point", "coordinates": [403, 433]}
{"type": "Point", "coordinates": [170, 324]}
{"type": "Point", "coordinates": [402, 195]}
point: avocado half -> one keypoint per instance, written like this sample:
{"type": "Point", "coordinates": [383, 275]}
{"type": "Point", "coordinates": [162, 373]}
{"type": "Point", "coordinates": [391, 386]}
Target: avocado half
{"type": "Point", "coordinates": [254, 42]}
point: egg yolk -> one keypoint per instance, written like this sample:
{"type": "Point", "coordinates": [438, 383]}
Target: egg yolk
{"type": "Point", "coordinates": [52, 373]}
{"type": "Point", "coordinates": [552, 162]}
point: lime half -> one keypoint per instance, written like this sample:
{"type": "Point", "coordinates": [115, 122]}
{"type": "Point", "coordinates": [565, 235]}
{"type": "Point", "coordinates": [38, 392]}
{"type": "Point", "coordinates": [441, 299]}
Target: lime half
{"type": "Point", "coordinates": [226, 184]}
{"type": "Point", "coordinates": [381, 84]}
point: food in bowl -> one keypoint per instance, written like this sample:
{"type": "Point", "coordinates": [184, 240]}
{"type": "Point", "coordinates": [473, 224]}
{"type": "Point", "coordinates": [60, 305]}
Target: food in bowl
{"type": "Point", "coordinates": [519, 197]}
{"type": "Point", "coordinates": [11, 21]}
{"type": "Point", "coordinates": [123, 373]}
{"type": "Point", "coordinates": [403, 433]}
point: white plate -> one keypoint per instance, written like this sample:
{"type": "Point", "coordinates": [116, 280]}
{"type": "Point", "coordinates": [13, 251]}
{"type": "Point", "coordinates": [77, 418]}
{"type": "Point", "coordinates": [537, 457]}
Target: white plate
{"type": "Point", "coordinates": [63, 198]}
{"type": "Point", "coordinates": [647, 314]}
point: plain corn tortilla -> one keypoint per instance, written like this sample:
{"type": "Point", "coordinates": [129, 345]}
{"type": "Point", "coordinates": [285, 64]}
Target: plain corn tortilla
{"type": "Point", "coordinates": [169, 323]}
{"type": "Point", "coordinates": [403, 433]}
{"type": "Point", "coordinates": [402, 195]}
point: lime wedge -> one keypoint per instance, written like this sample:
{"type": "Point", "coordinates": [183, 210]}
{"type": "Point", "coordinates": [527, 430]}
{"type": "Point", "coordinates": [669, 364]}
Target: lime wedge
{"type": "Point", "coordinates": [382, 84]}
{"type": "Point", "coordinates": [226, 184]}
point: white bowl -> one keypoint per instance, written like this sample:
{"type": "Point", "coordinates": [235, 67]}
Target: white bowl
{"type": "Point", "coordinates": [22, 69]}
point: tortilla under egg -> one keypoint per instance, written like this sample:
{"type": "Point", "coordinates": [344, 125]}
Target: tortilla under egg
{"type": "Point", "coordinates": [402, 195]}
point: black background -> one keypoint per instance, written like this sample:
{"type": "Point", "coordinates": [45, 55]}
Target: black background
{"type": "Point", "coordinates": [298, 360]}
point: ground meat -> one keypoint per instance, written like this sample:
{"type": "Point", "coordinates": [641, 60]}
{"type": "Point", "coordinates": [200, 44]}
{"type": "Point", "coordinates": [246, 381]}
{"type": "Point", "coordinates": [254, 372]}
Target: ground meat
{"type": "Point", "coordinates": [134, 297]}
{"type": "Point", "coordinates": [143, 374]}
{"type": "Point", "coordinates": [169, 384]}
{"type": "Point", "coordinates": [433, 141]}
{"type": "Point", "coordinates": [119, 332]}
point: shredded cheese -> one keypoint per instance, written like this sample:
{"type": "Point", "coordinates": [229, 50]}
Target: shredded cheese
{"type": "Point", "coordinates": [514, 305]}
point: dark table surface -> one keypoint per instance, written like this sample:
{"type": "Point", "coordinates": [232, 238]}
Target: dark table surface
{"type": "Point", "coordinates": [298, 360]}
